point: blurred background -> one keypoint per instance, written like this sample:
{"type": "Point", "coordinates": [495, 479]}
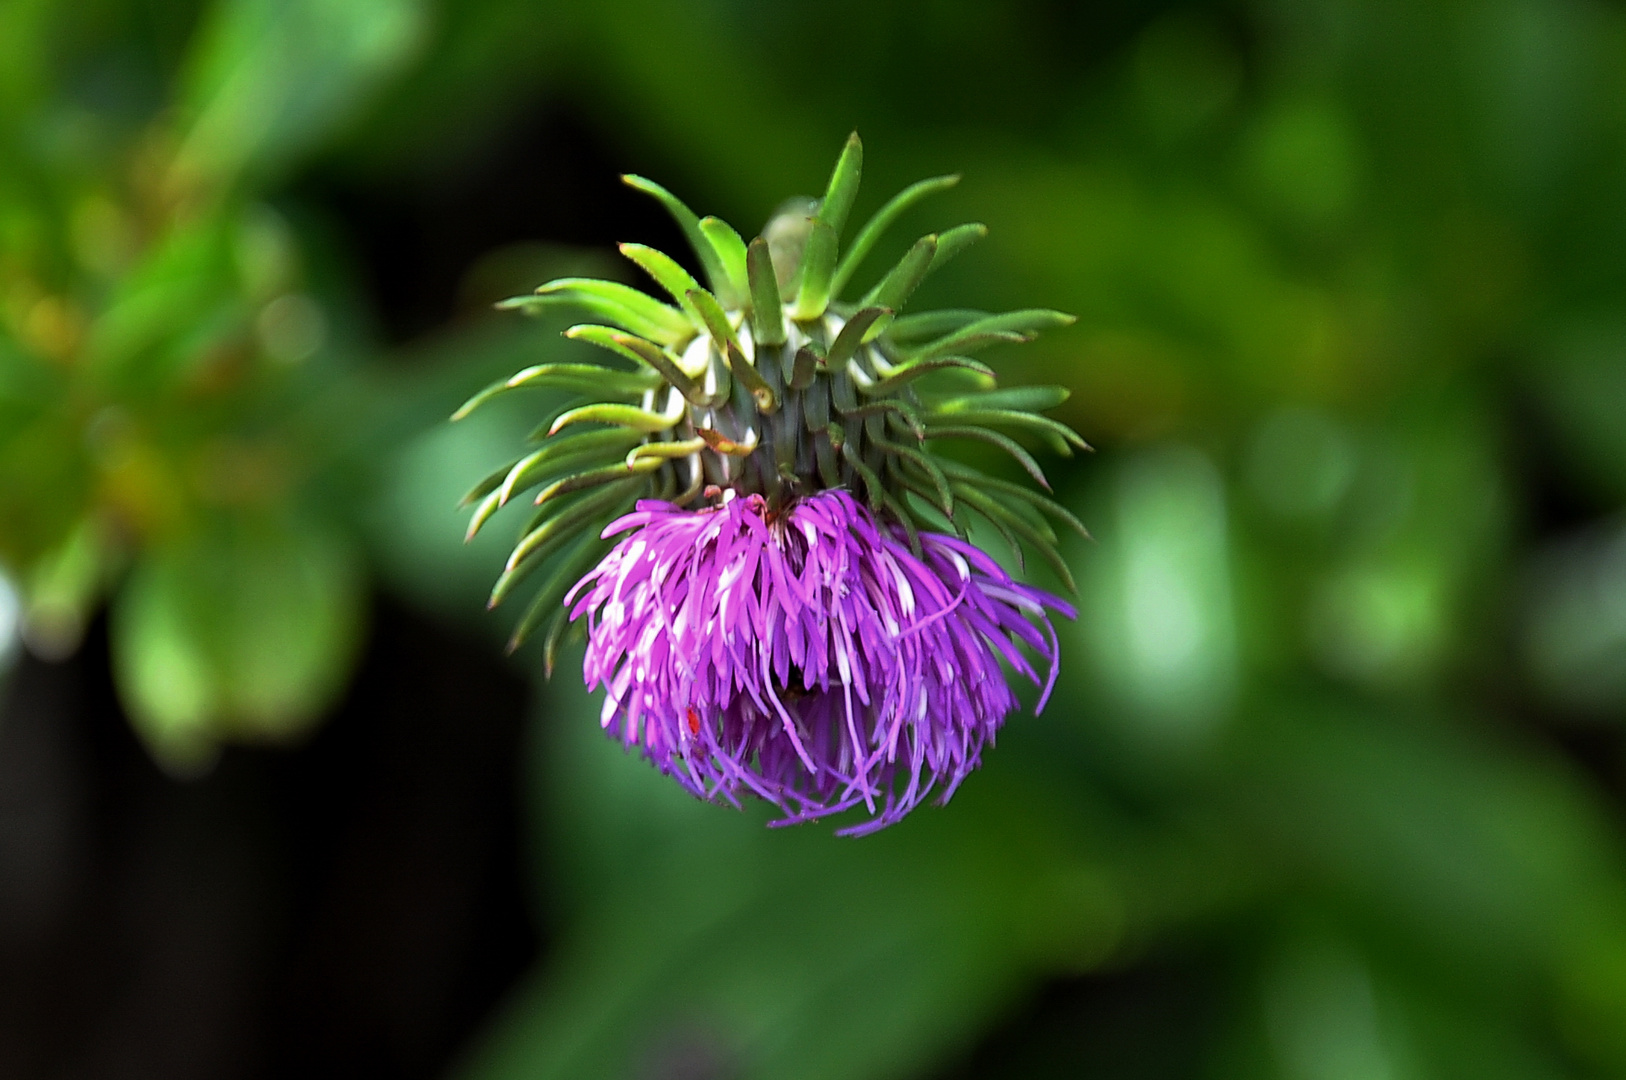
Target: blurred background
{"type": "Point", "coordinates": [1333, 787]}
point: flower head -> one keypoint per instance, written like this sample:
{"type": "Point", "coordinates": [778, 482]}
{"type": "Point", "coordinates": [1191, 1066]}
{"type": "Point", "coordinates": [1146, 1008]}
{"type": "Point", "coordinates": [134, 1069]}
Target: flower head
{"type": "Point", "coordinates": [809, 657]}
{"type": "Point", "coordinates": [793, 608]}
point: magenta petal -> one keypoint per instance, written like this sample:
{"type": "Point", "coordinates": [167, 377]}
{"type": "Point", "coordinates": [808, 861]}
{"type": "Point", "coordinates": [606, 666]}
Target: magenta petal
{"type": "Point", "coordinates": [809, 658]}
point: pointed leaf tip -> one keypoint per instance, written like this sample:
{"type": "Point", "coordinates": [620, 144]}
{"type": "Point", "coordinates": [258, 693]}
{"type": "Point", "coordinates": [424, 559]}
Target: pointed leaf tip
{"type": "Point", "coordinates": [710, 259]}
{"type": "Point", "coordinates": [883, 220]}
{"type": "Point", "coordinates": [730, 250]}
{"type": "Point", "coordinates": [843, 187]}
{"type": "Point", "coordinates": [855, 330]}
{"type": "Point", "coordinates": [614, 302]}
{"type": "Point", "coordinates": [950, 242]}
{"type": "Point", "coordinates": [668, 275]}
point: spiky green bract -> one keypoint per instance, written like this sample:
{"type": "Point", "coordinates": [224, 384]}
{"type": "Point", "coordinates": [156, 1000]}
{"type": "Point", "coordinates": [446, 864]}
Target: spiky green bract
{"type": "Point", "coordinates": [765, 381]}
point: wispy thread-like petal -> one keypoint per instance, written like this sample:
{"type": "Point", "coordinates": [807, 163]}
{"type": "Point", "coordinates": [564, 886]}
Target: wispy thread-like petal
{"type": "Point", "coordinates": [810, 658]}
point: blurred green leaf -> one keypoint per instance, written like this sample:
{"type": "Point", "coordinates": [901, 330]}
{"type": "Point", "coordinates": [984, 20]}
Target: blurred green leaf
{"type": "Point", "coordinates": [695, 922]}
{"type": "Point", "coordinates": [245, 631]}
{"type": "Point", "coordinates": [1349, 289]}
{"type": "Point", "coordinates": [271, 77]}
{"type": "Point", "coordinates": [1162, 633]}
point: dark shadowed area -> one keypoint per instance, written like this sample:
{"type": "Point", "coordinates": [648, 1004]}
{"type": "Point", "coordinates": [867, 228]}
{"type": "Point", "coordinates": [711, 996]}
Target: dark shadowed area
{"type": "Point", "coordinates": [351, 908]}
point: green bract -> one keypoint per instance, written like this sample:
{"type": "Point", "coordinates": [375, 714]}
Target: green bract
{"type": "Point", "coordinates": [765, 380]}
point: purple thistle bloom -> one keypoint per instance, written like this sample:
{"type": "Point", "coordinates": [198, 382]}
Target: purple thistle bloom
{"type": "Point", "coordinates": [756, 628]}
{"type": "Point", "coordinates": [808, 657]}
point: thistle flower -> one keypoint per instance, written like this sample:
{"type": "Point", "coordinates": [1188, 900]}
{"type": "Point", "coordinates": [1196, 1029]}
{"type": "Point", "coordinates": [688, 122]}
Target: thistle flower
{"type": "Point", "coordinates": [792, 609]}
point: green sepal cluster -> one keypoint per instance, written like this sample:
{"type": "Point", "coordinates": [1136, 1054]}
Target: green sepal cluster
{"type": "Point", "coordinates": [765, 380]}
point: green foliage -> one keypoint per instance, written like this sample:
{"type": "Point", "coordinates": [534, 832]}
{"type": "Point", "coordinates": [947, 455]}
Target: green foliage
{"type": "Point", "coordinates": [243, 632]}
{"type": "Point", "coordinates": [836, 406]}
{"type": "Point", "coordinates": [1316, 252]}
{"type": "Point", "coordinates": [1349, 335]}
{"type": "Point", "coordinates": [160, 353]}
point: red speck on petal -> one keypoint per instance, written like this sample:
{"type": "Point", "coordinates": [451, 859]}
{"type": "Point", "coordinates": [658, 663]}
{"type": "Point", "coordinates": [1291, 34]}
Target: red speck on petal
{"type": "Point", "coordinates": [694, 722]}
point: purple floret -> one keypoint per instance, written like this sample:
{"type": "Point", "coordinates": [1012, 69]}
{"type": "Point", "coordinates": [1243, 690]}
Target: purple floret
{"type": "Point", "coordinates": [810, 658]}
